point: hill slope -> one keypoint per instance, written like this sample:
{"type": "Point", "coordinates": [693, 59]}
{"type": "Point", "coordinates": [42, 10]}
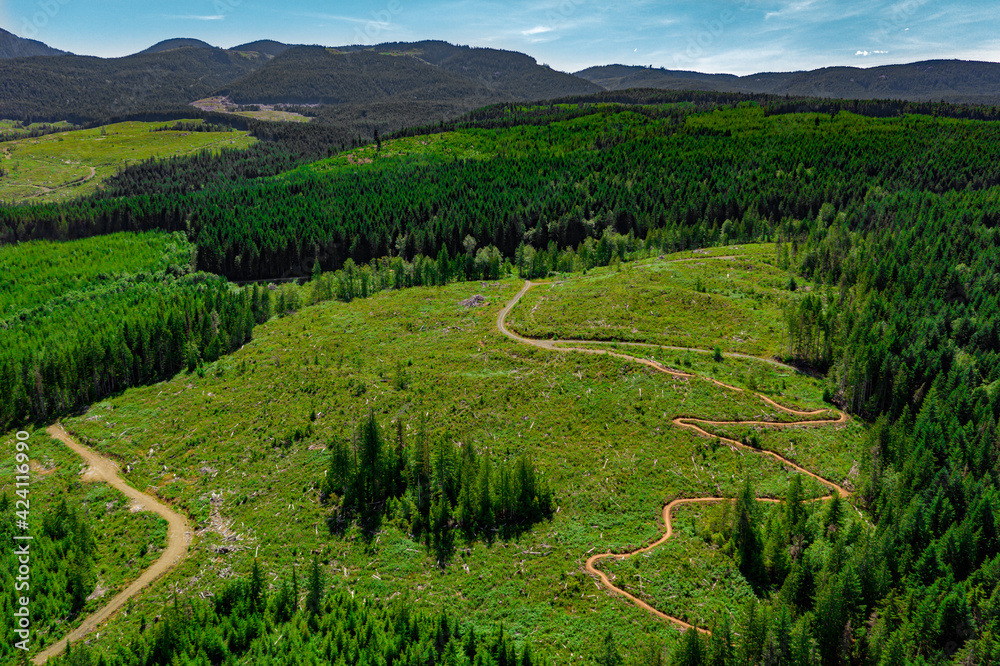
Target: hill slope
{"type": "Point", "coordinates": [395, 85]}
{"type": "Point", "coordinates": [12, 46]}
{"type": "Point", "coordinates": [83, 88]}
{"type": "Point", "coordinates": [508, 72]}
{"type": "Point", "coordinates": [932, 80]}
{"type": "Point", "coordinates": [316, 75]}
{"type": "Point", "coordinates": [179, 43]}
{"type": "Point", "coordinates": [265, 46]}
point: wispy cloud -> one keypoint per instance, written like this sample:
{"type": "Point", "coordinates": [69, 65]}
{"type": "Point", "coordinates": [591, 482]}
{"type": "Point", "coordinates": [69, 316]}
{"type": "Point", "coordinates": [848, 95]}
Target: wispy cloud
{"type": "Point", "coordinates": [865, 54]}
{"type": "Point", "coordinates": [341, 17]}
{"type": "Point", "coordinates": [792, 8]}
{"type": "Point", "coordinates": [195, 17]}
{"type": "Point", "coordinates": [537, 30]}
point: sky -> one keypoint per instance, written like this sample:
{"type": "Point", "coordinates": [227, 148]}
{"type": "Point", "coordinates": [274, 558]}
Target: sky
{"type": "Point", "coordinates": [718, 36]}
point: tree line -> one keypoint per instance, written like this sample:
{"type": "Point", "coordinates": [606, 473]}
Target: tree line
{"type": "Point", "coordinates": [903, 310]}
{"type": "Point", "coordinates": [251, 621]}
{"type": "Point", "coordinates": [77, 348]}
{"type": "Point", "coordinates": [679, 179]}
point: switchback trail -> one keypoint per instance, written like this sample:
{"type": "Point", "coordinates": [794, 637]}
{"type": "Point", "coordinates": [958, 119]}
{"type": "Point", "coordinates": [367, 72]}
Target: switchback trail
{"type": "Point", "coordinates": [178, 539]}
{"type": "Point", "coordinates": [693, 424]}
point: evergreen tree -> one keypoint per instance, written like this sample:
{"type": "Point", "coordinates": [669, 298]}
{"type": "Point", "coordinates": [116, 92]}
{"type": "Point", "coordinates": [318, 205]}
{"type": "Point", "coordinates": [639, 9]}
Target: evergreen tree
{"type": "Point", "coordinates": [746, 540]}
{"type": "Point", "coordinates": [315, 593]}
{"type": "Point", "coordinates": [689, 651]}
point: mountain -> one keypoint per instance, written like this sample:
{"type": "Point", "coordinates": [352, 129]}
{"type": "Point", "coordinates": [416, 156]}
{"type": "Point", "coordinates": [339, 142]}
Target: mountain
{"type": "Point", "coordinates": [265, 46]}
{"type": "Point", "coordinates": [420, 71]}
{"type": "Point", "coordinates": [179, 43]}
{"type": "Point", "coordinates": [509, 73]}
{"type": "Point", "coordinates": [12, 46]}
{"type": "Point", "coordinates": [396, 85]}
{"type": "Point", "coordinates": [933, 80]}
{"type": "Point", "coordinates": [86, 89]}
{"type": "Point", "coordinates": [318, 75]}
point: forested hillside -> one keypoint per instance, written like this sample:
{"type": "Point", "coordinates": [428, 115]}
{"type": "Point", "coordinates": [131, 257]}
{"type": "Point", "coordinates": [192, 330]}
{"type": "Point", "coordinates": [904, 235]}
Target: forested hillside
{"type": "Point", "coordinates": [91, 318]}
{"type": "Point", "coordinates": [954, 81]}
{"type": "Point", "coordinates": [517, 75]}
{"type": "Point", "coordinates": [85, 89]}
{"type": "Point", "coordinates": [659, 173]}
{"type": "Point", "coordinates": [317, 75]}
{"type": "Point", "coordinates": [884, 223]}
{"type": "Point", "coordinates": [12, 46]}
{"type": "Point", "coordinates": [237, 624]}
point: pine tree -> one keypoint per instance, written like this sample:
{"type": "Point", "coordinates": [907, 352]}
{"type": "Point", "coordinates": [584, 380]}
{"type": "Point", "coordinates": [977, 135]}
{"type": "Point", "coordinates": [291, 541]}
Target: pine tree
{"type": "Point", "coordinates": [746, 540]}
{"type": "Point", "coordinates": [314, 598]}
{"type": "Point", "coordinates": [485, 513]}
{"type": "Point", "coordinates": [720, 645]}
{"type": "Point", "coordinates": [256, 588]}
{"type": "Point", "coordinates": [689, 650]}
{"type": "Point", "coordinates": [609, 655]}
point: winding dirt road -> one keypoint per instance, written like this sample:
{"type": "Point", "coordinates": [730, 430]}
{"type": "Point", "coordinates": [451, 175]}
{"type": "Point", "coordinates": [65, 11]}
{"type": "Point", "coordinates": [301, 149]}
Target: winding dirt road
{"type": "Point", "coordinates": [178, 540]}
{"type": "Point", "coordinates": [693, 424]}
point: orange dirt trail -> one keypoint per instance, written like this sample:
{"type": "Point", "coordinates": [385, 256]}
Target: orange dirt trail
{"type": "Point", "coordinates": [178, 540]}
{"type": "Point", "coordinates": [692, 424]}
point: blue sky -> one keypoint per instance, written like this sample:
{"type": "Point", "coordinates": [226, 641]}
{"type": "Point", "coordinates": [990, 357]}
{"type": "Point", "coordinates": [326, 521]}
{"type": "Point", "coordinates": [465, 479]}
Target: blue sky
{"type": "Point", "coordinates": [735, 36]}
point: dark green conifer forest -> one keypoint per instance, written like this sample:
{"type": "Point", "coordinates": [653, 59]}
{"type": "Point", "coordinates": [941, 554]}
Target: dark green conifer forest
{"type": "Point", "coordinates": [886, 212]}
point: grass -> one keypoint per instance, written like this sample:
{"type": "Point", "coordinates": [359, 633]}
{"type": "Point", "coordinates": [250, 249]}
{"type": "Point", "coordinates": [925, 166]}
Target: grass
{"type": "Point", "coordinates": [688, 299]}
{"type": "Point", "coordinates": [598, 428]}
{"type": "Point", "coordinates": [465, 145]}
{"type": "Point", "coordinates": [685, 577]}
{"type": "Point", "coordinates": [831, 452]}
{"type": "Point", "coordinates": [71, 164]}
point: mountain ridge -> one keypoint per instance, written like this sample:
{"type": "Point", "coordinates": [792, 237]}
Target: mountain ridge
{"type": "Point", "coordinates": [12, 46]}
{"type": "Point", "coordinates": [177, 43]}
{"type": "Point", "coordinates": [407, 83]}
{"type": "Point", "coordinates": [954, 80]}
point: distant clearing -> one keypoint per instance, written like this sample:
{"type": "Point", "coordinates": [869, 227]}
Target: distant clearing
{"type": "Point", "coordinates": [266, 112]}
{"type": "Point", "coordinates": [71, 164]}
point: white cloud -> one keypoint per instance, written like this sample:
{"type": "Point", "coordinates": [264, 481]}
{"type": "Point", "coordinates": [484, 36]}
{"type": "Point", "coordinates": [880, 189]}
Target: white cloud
{"type": "Point", "coordinates": [340, 17]}
{"type": "Point", "coordinates": [865, 54]}
{"type": "Point", "coordinates": [537, 30]}
{"type": "Point", "coordinates": [792, 8]}
{"type": "Point", "coordinates": [195, 17]}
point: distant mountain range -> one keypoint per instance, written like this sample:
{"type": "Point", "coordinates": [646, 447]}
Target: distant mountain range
{"type": "Point", "coordinates": [395, 84]}
{"type": "Point", "coordinates": [932, 80]}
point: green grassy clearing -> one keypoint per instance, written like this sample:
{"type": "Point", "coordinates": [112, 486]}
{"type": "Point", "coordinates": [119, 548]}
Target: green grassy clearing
{"type": "Point", "coordinates": [687, 300]}
{"type": "Point", "coordinates": [71, 164]}
{"type": "Point", "coordinates": [598, 429]}
{"type": "Point", "coordinates": [685, 577]}
{"type": "Point", "coordinates": [833, 452]}
{"type": "Point", "coordinates": [267, 111]}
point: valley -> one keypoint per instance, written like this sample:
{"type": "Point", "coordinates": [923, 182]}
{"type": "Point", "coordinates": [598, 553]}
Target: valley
{"type": "Point", "coordinates": [419, 353]}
